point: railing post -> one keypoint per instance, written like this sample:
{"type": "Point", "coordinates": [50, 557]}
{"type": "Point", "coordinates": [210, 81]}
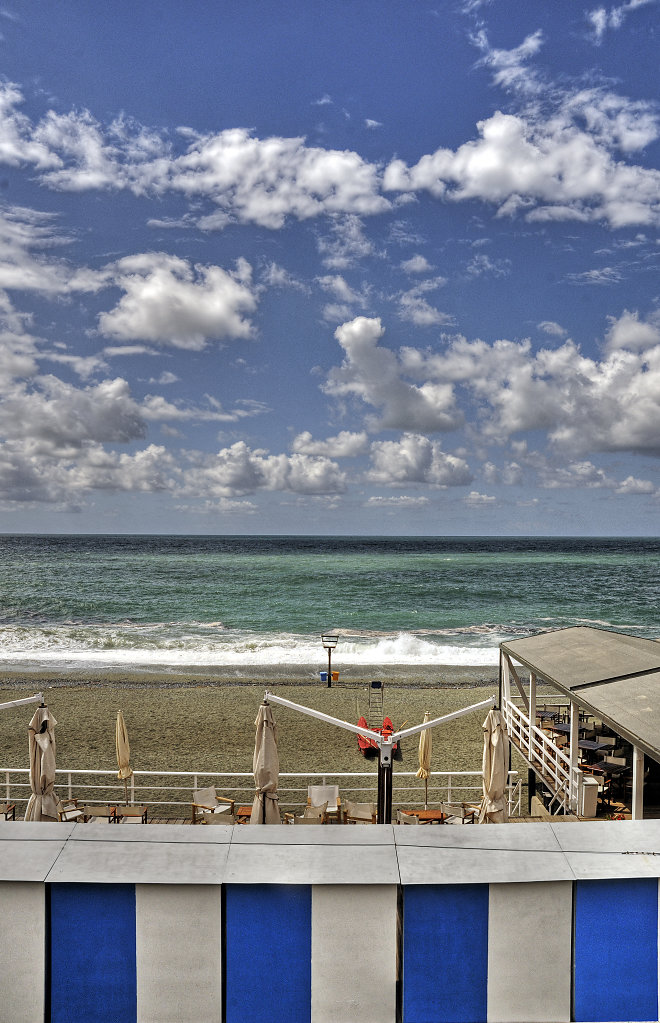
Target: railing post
{"type": "Point", "coordinates": [573, 756]}
{"type": "Point", "coordinates": [133, 790]}
{"type": "Point", "coordinates": [69, 785]}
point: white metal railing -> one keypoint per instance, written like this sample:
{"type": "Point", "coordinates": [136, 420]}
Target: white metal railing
{"type": "Point", "coordinates": [549, 761]}
{"type": "Point", "coordinates": [169, 793]}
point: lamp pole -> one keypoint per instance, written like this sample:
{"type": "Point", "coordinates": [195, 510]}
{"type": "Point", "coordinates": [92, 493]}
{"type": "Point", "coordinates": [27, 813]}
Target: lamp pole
{"type": "Point", "coordinates": [329, 644]}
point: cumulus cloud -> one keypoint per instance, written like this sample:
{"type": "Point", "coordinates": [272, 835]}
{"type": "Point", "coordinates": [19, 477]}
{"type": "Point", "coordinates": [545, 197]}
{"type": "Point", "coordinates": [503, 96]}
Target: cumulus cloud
{"type": "Point", "coordinates": [239, 470]}
{"type": "Point", "coordinates": [630, 333]}
{"type": "Point", "coordinates": [374, 376]}
{"type": "Point", "coordinates": [343, 445]}
{"type": "Point", "coordinates": [564, 165]}
{"type": "Point", "coordinates": [416, 459]}
{"type": "Point", "coordinates": [168, 301]}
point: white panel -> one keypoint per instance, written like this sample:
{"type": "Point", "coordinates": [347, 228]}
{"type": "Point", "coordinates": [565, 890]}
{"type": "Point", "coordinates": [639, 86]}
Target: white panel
{"type": "Point", "coordinates": [179, 953]}
{"type": "Point", "coordinates": [529, 952]}
{"type": "Point", "coordinates": [354, 953]}
{"type": "Point", "coordinates": [22, 950]}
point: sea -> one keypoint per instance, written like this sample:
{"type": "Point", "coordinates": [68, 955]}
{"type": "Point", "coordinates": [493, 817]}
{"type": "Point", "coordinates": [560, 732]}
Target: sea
{"type": "Point", "coordinates": [205, 602]}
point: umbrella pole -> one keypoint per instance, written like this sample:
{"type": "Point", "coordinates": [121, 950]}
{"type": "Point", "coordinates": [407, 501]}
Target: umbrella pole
{"type": "Point", "coordinates": [125, 792]}
{"type": "Point", "coordinates": [426, 793]}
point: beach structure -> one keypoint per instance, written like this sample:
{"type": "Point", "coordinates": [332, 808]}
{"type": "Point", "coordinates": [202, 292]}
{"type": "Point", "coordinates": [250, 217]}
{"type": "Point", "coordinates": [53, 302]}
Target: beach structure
{"type": "Point", "coordinates": [571, 693]}
{"type": "Point", "coordinates": [324, 924]}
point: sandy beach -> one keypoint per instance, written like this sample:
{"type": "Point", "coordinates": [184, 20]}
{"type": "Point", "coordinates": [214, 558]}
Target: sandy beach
{"type": "Point", "coordinates": [194, 722]}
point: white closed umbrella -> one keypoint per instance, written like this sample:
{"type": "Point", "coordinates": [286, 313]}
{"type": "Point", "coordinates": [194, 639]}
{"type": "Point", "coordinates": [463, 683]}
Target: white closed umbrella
{"type": "Point", "coordinates": [123, 753]}
{"type": "Point", "coordinates": [493, 808]}
{"type": "Point", "coordinates": [425, 750]}
{"type": "Point", "coordinates": [266, 768]}
{"type": "Point", "coordinates": [42, 805]}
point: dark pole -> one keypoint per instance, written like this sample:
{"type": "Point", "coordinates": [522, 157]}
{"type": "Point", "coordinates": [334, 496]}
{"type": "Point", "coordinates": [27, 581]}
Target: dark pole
{"type": "Point", "coordinates": [384, 805]}
{"type": "Point", "coordinates": [329, 667]}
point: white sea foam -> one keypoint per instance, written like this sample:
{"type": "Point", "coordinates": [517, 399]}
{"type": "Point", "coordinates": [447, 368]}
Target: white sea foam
{"type": "Point", "coordinates": [181, 645]}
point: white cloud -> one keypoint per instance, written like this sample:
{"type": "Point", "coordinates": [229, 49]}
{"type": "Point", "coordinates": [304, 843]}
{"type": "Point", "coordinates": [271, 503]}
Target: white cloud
{"type": "Point", "coordinates": [403, 501]}
{"type": "Point", "coordinates": [631, 333]}
{"type": "Point", "coordinates": [525, 161]}
{"type": "Point", "coordinates": [414, 307]}
{"type": "Point", "coordinates": [416, 459]}
{"type": "Point", "coordinates": [344, 445]}
{"type": "Point", "coordinates": [169, 302]}
{"type": "Point", "coordinates": [416, 265]}
{"type": "Point", "coordinates": [239, 470]}
{"type": "Point", "coordinates": [476, 500]}
{"type": "Point", "coordinates": [373, 375]}
{"type": "Point", "coordinates": [482, 265]}
{"type": "Point", "coordinates": [601, 19]}
{"type": "Point", "coordinates": [346, 243]}
{"type": "Point", "coordinates": [632, 485]}
{"type": "Point", "coordinates": [552, 328]}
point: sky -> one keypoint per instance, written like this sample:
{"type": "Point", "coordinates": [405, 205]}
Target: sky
{"type": "Point", "coordinates": [330, 267]}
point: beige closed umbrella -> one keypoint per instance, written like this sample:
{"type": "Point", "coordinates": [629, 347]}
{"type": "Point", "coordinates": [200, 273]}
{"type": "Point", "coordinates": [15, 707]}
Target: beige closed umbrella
{"type": "Point", "coordinates": [42, 805]}
{"type": "Point", "coordinates": [493, 808]}
{"type": "Point", "coordinates": [123, 753]}
{"type": "Point", "coordinates": [266, 768]}
{"type": "Point", "coordinates": [425, 750]}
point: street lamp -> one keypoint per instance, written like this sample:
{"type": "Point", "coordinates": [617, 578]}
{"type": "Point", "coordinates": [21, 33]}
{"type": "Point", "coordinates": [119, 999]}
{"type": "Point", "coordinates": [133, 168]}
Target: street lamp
{"type": "Point", "coordinates": [329, 643]}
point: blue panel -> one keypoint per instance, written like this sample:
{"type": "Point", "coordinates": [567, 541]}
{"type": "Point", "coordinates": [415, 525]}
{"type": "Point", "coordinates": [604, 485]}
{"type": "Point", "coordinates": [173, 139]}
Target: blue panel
{"type": "Point", "coordinates": [616, 950]}
{"type": "Point", "coordinates": [445, 953]}
{"type": "Point", "coordinates": [93, 970]}
{"type": "Point", "coordinates": [268, 930]}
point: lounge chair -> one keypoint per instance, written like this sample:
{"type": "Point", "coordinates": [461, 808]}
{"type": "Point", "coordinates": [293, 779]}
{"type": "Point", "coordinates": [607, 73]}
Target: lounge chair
{"type": "Point", "coordinates": [206, 805]}
{"type": "Point", "coordinates": [406, 818]}
{"type": "Point", "coordinates": [359, 813]}
{"type": "Point", "coordinates": [68, 810]}
{"type": "Point", "coordinates": [310, 815]}
{"type": "Point", "coordinates": [319, 794]}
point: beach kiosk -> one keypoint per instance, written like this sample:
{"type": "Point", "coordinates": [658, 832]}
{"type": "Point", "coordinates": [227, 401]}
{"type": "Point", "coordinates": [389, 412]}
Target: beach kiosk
{"type": "Point", "coordinates": [604, 727]}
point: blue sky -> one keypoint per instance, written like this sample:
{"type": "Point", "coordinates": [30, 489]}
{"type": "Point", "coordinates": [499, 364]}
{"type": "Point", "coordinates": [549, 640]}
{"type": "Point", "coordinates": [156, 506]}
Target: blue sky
{"type": "Point", "coordinates": [330, 267]}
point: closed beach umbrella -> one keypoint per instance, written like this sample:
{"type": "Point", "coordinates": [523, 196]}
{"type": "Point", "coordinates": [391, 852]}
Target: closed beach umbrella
{"type": "Point", "coordinates": [42, 805]}
{"type": "Point", "coordinates": [493, 808]}
{"type": "Point", "coordinates": [266, 768]}
{"type": "Point", "coordinates": [123, 753]}
{"type": "Point", "coordinates": [425, 749]}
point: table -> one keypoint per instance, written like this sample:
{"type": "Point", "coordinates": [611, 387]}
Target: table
{"type": "Point", "coordinates": [565, 727]}
{"type": "Point", "coordinates": [243, 814]}
{"type": "Point", "coordinates": [8, 811]}
{"type": "Point", "coordinates": [430, 816]}
{"type": "Point", "coordinates": [109, 812]}
{"type": "Point", "coordinates": [131, 813]}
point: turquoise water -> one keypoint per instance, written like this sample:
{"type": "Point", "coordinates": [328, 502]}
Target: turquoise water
{"type": "Point", "coordinates": [143, 601]}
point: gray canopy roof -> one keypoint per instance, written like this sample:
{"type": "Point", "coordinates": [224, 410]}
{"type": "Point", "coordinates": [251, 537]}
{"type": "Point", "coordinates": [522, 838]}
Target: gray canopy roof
{"type": "Point", "coordinates": [614, 676]}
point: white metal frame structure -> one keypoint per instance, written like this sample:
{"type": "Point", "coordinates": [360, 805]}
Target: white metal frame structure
{"type": "Point", "coordinates": [384, 743]}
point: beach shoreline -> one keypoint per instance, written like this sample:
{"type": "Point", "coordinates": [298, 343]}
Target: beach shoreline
{"type": "Point", "coordinates": [421, 676]}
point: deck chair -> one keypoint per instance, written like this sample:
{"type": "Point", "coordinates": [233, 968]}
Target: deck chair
{"type": "Point", "coordinates": [310, 815]}
{"type": "Point", "coordinates": [318, 794]}
{"type": "Point", "coordinates": [206, 805]}
{"type": "Point", "coordinates": [68, 810]}
{"type": "Point", "coordinates": [455, 812]}
{"type": "Point", "coordinates": [359, 813]}
{"type": "Point", "coordinates": [406, 818]}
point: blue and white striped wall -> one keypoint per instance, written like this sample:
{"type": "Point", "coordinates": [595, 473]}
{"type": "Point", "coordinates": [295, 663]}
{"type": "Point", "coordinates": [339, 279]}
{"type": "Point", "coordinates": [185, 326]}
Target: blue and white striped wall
{"type": "Point", "coordinates": [272, 925]}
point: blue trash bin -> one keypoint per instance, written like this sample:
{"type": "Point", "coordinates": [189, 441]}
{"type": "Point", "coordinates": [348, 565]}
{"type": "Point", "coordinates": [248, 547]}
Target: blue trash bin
{"type": "Point", "coordinates": [324, 676]}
